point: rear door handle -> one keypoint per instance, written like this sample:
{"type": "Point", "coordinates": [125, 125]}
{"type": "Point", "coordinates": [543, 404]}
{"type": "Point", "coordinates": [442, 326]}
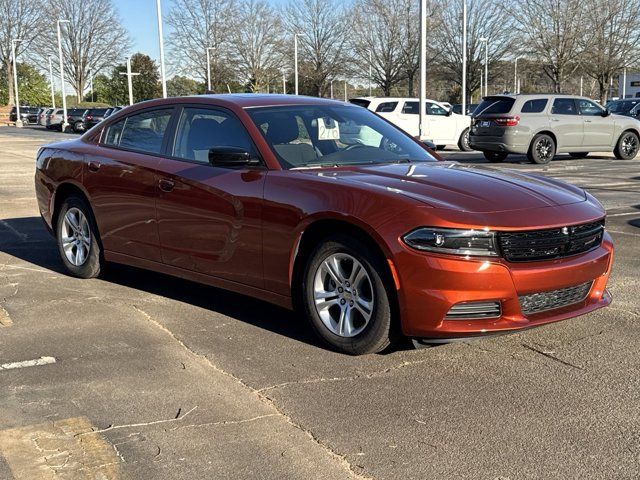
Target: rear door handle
{"type": "Point", "coordinates": [587, 121]}
{"type": "Point", "coordinates": [166, 185]}
{"type": "Point", "coordinates": [94, 166]}
{"type": "Point", "coordinates": [555, 119]}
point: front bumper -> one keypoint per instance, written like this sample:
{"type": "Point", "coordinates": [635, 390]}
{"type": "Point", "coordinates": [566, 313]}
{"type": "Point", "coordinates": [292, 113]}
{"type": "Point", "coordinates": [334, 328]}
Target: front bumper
{"type": "Point", "coordinates": [431, 284]}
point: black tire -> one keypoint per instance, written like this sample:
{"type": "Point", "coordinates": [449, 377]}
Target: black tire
{"type": "Point", "coordinates": [77, 127]}
{"type": "Point", "coordinates": [578, 154]}
{"type": "Point", "coordinates": [378, 333]}
{"type": "Point", "coordinates": [463, 142]}
{"type": "Point", "coordinates": [495, 157]}
{"type": "Point", "coordinates": [92, 265]}
{"type": "Point", "coordinates": [627, 146]}
{"type": "Point", "coordinates": [542, 149]}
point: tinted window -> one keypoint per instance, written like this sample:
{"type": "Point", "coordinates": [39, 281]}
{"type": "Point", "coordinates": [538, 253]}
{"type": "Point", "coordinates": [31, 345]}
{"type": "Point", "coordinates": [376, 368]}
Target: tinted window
{"type": "Point", "coordinates": [386, 107]}
{"type": "Point", "coordinates": [534, 106]}
{"type": "Point", "coordinates": [200, 130]}
{"type": "Point", "coordinates": [313, 135]}
{"type": "Point", "coordinates": [492, 105]}
{"type": "Point", "coordinates": [143, 132]}
{"type": "Point", "coordinates": [589, 108]}
{"type": "Point", "coordinates": [564, 106]}
{"type": "Point", "coordinates": [622, 107]}
{"type": "Point", "coordinates": [361, 102]}
{"type": "Point", "coordinates": [411, 108]}
{"type": "Point", "coordinates": [433, 109]}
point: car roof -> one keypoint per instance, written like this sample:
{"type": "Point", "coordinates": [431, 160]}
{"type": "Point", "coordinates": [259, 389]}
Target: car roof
{"type": "Point", "coordinates": [248, 100]}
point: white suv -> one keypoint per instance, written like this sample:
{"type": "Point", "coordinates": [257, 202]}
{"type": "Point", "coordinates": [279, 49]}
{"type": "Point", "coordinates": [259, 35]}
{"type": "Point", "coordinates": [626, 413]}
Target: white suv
{"type": "Point", "coordinates": [443, 128]}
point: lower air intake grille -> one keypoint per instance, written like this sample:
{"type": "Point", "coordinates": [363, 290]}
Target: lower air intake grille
{"type": "Point", "coordinates": [467, 310]}
{"type": "Point", "coordinates": [543, 301]}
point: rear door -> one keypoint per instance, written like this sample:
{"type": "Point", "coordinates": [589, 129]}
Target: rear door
{"type": "Point", "coordinates": [566, 123]}
{"type": "Point", "coordinates": [209, 217]}
{"type": "Point", "coordinates": [122, 183]}
{"type": "Point", "coordinates": [598, 129]}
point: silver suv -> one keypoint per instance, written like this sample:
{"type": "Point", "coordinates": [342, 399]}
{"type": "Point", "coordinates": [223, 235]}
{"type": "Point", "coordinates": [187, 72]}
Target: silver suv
{"type": "Point", "coordinates": [542, 125]}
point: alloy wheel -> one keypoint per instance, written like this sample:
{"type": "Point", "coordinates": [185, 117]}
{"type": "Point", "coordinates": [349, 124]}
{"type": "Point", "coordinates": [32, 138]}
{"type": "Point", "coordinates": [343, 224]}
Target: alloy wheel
{"type": "Point", "coordinates": [544, 149]}
{"type": "Point", "coordinates": [629, 145]}
{"type": "Point", "coordinates": [343, 295]}
{"type": "Point", "coordinates": [76, 237]}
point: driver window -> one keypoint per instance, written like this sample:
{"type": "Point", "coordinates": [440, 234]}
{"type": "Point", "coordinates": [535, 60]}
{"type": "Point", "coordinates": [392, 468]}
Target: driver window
{"type": "Point", "coordinates": [589, 108]}
{"type": "Point", "coordinates": [433, 109]}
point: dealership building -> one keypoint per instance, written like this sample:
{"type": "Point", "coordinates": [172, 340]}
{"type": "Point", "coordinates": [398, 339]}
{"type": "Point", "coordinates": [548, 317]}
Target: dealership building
{"type": "Point", "coordinates": [633, 85]}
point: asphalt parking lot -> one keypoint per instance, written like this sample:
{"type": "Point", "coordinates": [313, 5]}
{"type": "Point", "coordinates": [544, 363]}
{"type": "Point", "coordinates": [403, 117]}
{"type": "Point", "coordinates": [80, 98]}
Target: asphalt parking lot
{"type": "Point", "coordinates": [144, 376]}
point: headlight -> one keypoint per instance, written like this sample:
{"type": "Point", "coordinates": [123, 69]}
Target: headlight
{"type": "Point", "coordinates": [455, 242]}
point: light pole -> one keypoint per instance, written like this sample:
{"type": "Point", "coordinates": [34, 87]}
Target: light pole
{"type": "Point", "coordinates": [581, 83]}
{"type": "Point", "coordinates": [129, 82]}
{"type": "Point", "coordinates": [53, 97]}
{"type": "Point", "coordinates": [464, 57]}
{"type": "Point", "coordinates": [161, 40]}
{"type": "Point", "coordinates": [481, 85]}
{"type": "Point", "coordinates": [515, 76]}
{"type": "Point", "coordinates": [624, 83]}
{"type": "Point", "coordinates": [91, 84]}
{"type": "Point", "coordinates": [284, 84]}
{"type": "Point", "coordinates": [345, 90]}
{"type": "Point", "coordinates": [370, 70]}
{"type": "Point", "coordinates": [295, 58]}
{"type": "Point", "coordinates": [486, 65]}
{"type": "Point", "coordinates": [15, 81]}
{"type": "Point", "coordinates": [331, 88]}
{"type": "Point", "coordinates": [64, 97]}
{"type": "Point", "coordinates": [422, 129]}
{"type": "Point", "coordinates": [209, 68]}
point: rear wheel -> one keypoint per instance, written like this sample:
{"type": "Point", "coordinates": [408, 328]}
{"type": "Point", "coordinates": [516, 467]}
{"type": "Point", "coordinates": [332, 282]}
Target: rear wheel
{"type": "Point", "coordinates": [627, 146]}
{"type": "Point", "coordinates": [78, 127]}
{"type": "Point", "coordinates": [542, 149]}
{"type": "Point", "coordinates": [77, 238]}
{"type": "Point", "coordinates": [495, 157]}
{"type": "Point", "coordinates": [463, 142]}
{"type": "Point", "coordinates": [578, 154]}
{"type": "Point", "coordinates": [346, 297]}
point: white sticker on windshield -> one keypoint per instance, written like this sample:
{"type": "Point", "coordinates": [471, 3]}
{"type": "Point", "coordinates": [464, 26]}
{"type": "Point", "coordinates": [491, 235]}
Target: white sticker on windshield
{"type": "Point", "coordinates": [328, 129]}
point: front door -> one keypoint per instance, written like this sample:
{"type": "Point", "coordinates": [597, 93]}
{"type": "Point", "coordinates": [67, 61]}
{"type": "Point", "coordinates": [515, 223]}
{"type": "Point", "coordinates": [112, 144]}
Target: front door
{"type": "Point", "coordinates": [598, 129]}
{"type": "Point", "coordinates": [442, 125]}
{"type": "Point", "coordinates": [209, 217]}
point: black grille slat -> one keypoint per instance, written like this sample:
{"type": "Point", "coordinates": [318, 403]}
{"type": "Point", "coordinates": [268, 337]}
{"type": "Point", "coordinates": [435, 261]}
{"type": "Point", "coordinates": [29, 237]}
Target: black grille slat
{"type": "Point", "coordinates": [551, 300]}
{"type": "Point", "coordinates": [551, 243]}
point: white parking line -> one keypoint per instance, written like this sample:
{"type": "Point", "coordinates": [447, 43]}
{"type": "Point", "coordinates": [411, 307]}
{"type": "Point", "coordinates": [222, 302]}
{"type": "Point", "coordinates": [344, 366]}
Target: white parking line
{"type": "Point", "coordinates": [622, 214]}
{"type": "Point", "coordinates": [28, 363]}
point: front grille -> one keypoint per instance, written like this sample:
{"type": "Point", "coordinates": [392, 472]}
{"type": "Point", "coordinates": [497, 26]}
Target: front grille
{"type": "Point", "coordinates": [543, 301]}
{"type": "Point", "coordinates": [552, 243]}
{"type": "Point", "coordinates": [465, 310]}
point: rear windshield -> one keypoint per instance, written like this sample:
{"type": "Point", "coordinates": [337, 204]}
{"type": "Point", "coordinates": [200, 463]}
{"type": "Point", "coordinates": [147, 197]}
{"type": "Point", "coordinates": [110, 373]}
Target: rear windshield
{"type": "Point", "coordinates": [361, 102]}
{"type": "Point", "coordinates": [494, 105]}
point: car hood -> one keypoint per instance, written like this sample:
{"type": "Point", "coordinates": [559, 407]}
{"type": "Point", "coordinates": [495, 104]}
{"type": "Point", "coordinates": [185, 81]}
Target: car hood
{"type": "Point", "coordinates": [460, 187]}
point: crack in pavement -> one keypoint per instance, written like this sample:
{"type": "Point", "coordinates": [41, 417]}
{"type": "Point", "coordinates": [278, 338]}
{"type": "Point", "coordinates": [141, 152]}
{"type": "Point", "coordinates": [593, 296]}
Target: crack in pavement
{"type": "Point", "coordinates": [552, 357]}
{"type": "Point", "coordinates": [224, 422]}
{"type": "Point", "coordinates": [341, 459]}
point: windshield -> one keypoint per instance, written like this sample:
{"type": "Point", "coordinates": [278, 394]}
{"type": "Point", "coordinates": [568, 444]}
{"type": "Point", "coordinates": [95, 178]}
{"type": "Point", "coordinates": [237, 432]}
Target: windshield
{"type": "Point", "coordinates": [333, 135]}
{"type": "Point", "coordinates": [623, 107]}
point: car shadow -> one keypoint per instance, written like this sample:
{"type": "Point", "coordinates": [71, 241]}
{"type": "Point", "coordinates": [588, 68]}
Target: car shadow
{"type": "Point", "coordinates": [27, 239]}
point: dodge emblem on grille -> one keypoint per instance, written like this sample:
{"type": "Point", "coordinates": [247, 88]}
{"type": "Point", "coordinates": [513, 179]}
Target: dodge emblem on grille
{"type": "Point", "coordinates": [565, 230]}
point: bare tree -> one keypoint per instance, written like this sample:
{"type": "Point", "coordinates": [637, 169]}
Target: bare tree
{"type": "Point", "coordinates": [198, 25]}
{"type": "Point", "coordinates": [323, 25]}
{"type": "Point", "coordinates": [19, 19]}
{"type": "Point", "coordinates": [256, 42]}
{"type": "Point", "coordinates": [615, 40]}
{"type": "Point", "coordinates": [92, 40]}
{"type": "Point", "coordinates": [554, 33]}
{"type": "Point", "coordinates": [485, 19]}
{"type": "Point", "coordinates": [377, 34]}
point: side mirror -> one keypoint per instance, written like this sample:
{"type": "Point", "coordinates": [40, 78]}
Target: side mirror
{"type": "Point", "coordinates": [449, 112]}
{"type": "Point", "coordinates": [606, 112]}
{"type": "Point", "coordinates": [231, 157]}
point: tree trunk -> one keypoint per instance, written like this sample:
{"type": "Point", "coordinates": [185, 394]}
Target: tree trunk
{"type": "Point", "coordinates": [9, 67]}
{"type": "Point", "coordinates": [410, 77]}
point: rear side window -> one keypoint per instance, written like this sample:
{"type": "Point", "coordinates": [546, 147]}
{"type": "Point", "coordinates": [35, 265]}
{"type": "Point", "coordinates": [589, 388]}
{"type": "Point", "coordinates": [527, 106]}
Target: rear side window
{"type": "Point", "coordinates": [534, 106]}
{"type": "Point", "coordinates": [492, 105]}
{"type": "Point", "coordinates": [411, 108]}
{"type": "Point", "coordinates": [386, 107]}
{"type": "Point", "coordinates": [564, 106]}
{"type": "Point", "coordinates": [143, 132]}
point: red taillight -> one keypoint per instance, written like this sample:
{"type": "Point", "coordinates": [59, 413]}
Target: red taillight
{"type": "Point", "coordinates": [89, 117]}
{"type": "Point", "coordinates": [507, 121]}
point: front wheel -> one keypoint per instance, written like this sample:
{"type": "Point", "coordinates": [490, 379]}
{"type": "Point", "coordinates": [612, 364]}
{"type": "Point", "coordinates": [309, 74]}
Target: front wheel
{"type": "Point", "coordinates": [542, 149]}
{"type": "Point", "coordinates": [77, 238]}
{"type": "Point", "coordinates": [463, 142]}
{"type": "Point", "coordinates": [627, 146]}
{"type": "Point", "coordinates": [495, 157]}
{"type": "Point", "coordinates": [346, 297]}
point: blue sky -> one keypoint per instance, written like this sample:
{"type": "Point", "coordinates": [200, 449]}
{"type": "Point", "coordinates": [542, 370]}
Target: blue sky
{"type": "Point", "coordinates": [139, 18]}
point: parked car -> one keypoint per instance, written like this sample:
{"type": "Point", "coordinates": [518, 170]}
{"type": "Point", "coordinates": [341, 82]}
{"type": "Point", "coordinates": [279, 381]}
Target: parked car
{"type": "Point", "coordinates": [42, 116]}
{"type": "Point", "coordinates": [542, 125]}
{"type": "Point", "coordinates": [457, 108]}
{"type": "Point", "coordinates": [93, 116]}
{"type": "Point", "coordinates": [369, 235]}
{"type": "Point", "coordinates": [111, 111]}
{"type": "Point", "coordinates": [28, 115]}
{"type": "Point", "coordinates": [444, 126]}
{"type": "Point", "coordinates": [54, 119]}
{"type": "Point", "coordinates": [629, 108]}
{"type": "Point", "coordinates": [75, 119]}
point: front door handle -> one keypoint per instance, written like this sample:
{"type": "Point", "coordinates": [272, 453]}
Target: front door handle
{"type": "Point", "coordinates": [94, 166]}
{"type": "Point", "coordinates": [166, 185]}
{"type": "Point", "coordinates": [587, 121]}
